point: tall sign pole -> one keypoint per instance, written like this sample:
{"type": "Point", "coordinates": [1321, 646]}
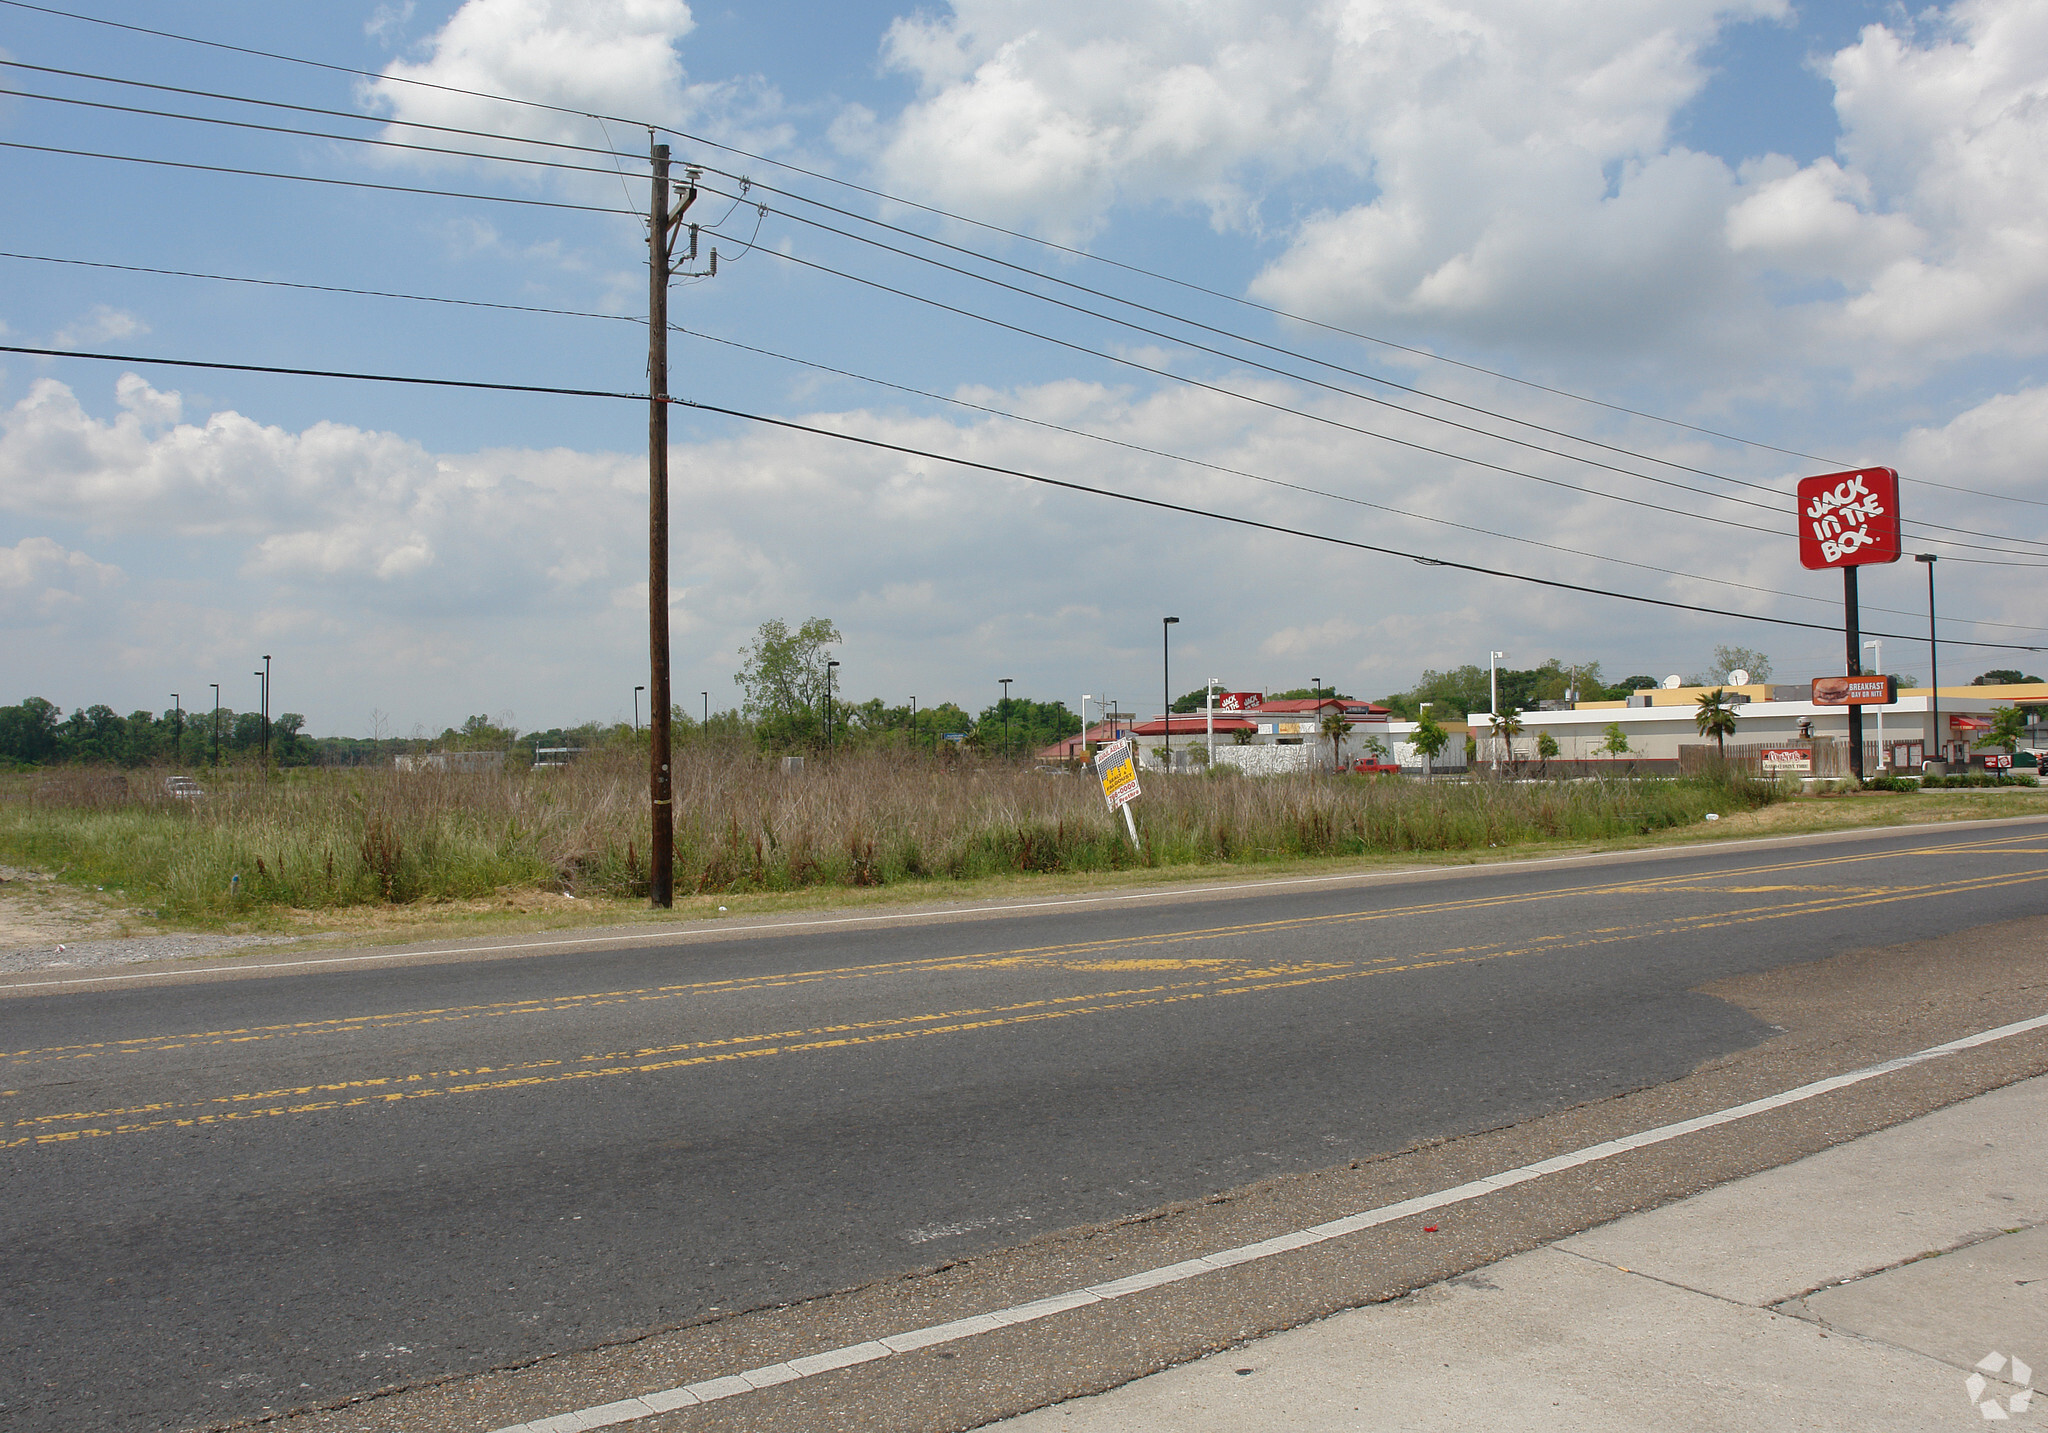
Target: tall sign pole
{"type": "Point", "coordinates": [661, 846]}
{"type": "Point", "coordinates": [1849, 520]}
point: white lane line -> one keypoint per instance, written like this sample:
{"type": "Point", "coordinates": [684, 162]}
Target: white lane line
{"type": "Point", "coordinates": [1156, 893]}
{"type": "Point", "coordinates": [612, 1414]}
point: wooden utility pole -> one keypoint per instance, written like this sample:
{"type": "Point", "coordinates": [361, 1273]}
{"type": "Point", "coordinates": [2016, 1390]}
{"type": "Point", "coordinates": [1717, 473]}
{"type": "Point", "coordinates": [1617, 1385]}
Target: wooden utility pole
{"type": "Point", "coordinates": [661, 846]}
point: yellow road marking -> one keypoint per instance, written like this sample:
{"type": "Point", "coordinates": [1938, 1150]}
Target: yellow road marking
{"type": "Point", "coordinates": [388, 1089]}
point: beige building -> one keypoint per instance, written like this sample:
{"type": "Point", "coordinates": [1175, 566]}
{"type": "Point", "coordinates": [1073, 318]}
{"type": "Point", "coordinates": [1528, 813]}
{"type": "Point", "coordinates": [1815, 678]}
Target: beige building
{"type": "Point", "coordinates": [1657, 721]}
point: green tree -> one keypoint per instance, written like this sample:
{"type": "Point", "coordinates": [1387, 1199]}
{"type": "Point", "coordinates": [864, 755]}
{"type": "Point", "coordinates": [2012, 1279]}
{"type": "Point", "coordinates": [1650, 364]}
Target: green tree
{"type": "Point", "coordinates": [2002, 677]}
{"type": "Point", "coordinates": [2008, 729]}
{"type": "Point", "coordinates": [783, 680]}
{"type": "Point", "coordinates": [1336, 726]}
{"type": "Point", "coordinates": [1430, 739]}
{"type": "Point", "coordinates": [1617, 740]}
{"type": "Point", "coordinates": [1629, 686]}
{"type": "Point", "coordinates": [1507, 725]}
{"type": "Point", "coordinates": [1738, 659]}
{"type": "Point", "coordinates": [1546, 745]}
{"type": "Point", "coordinates": [1715, 717]}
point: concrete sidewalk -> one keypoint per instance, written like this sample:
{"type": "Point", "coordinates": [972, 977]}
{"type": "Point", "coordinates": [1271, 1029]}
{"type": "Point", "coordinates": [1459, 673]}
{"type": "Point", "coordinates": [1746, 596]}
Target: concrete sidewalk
{"type": "Point", "coordinates": [1899, 1281]}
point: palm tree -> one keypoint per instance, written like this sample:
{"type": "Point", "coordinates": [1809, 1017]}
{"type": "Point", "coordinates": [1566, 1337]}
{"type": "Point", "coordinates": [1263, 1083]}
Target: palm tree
{"type": "Point", "coordinates": [1716, 718]}
{"type": "Point", "coordinates": [1507, 725]}
{"type": "Point", "coordinates": [1337, 726]}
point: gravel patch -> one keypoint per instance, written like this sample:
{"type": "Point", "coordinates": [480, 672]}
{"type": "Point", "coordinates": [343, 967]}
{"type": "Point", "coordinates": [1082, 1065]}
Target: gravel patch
{"type": "Point", "coordinates": [127, 950]}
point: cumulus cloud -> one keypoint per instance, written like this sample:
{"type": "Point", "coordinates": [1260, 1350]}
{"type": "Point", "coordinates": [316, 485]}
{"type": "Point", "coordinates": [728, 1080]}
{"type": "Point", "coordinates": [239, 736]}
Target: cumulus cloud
{"type": "Point", "coordinates": [1506, 174]}
{"type": "Point", "coordinates": [43, 581]}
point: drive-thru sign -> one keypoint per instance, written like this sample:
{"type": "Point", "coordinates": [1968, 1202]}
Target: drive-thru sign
{"type": "Point", "coordinates": [1116, 767]}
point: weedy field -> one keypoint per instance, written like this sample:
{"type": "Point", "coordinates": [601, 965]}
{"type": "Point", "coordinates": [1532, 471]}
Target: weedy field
{"type": "Point", "coordinates": [314, 839]}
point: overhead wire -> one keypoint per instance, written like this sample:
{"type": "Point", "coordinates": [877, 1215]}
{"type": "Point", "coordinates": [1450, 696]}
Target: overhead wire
{"type": "Point", "coordinates": [1298, 487]}
{"type": "Point", "coordinates": [939, 212]}
{"type": "Point", "coordinates": [1323, 419]}
{"type": "Point", "coordinates": [955, 460]}
{"type": "Point", "coordinates": [970, 406]}
{"type": "Point", "coordinates": [312, 178]}
{"type": "Point", "coordinates": [973, 407]}
{"type": "Point", "coordinates": [1774, 508]}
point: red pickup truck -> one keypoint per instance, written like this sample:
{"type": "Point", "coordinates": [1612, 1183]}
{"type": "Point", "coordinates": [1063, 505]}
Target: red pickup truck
{"type": "Point", "coordinates": [1373, 766]}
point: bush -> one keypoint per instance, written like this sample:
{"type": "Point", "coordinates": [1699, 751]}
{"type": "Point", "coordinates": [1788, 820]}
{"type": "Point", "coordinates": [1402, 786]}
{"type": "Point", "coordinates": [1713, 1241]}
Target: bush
{"type": "Point", "coordinates": [1887, 781]}
{"type": "Point", "coordinates": [1981, 778]}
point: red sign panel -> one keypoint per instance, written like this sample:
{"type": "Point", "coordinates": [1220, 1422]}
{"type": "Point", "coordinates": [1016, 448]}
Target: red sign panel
{"type": "Point", "coordinates": [1239, 701]}
{"type": "Point", "coordinates": [1849, 519]}
{"type": "Point", "coordinates": [1855, 691]}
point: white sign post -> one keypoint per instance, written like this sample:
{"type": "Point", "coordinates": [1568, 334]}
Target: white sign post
{"type": "Point", "coordinates": [1116, 767]}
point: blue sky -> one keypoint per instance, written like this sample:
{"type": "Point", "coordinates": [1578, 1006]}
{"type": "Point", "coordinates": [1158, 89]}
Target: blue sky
{"type": "Point", "coordinates": [1814, 227]}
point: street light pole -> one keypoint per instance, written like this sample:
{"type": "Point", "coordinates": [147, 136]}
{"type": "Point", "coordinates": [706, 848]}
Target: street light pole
{"type": "Point", "coordinates": [636, 709]}
{"type": "Point", "coordinates": [1005, 681]}
{"type": "Point", "coordinates": [266, 711]}
{"type": "Point", "coordinates": [263, 703]}
{"type": "Point", "coordinates": [1935, 733]}
{"type": "Point", "coordinates": [1166, 686]}
{"type": "Point", "coordinates": [707, 708]}
{"type": "Point", "coordinates": [1209, 718]}
{"type": "Point", "coordinates": [1493, 695]}
{"type": "Point", "coordinates": [216, 722]}
{"type": "Point", "coordinates": [1085, 698]}
{"type": "Point", "coordinates": [177, 732]}
{"type": "Point", "coordinates": [1883, 756]}
{"type": "Point", "coordinates": [831, 666]}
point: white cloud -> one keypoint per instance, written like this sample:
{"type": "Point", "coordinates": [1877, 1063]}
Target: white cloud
{"type": "Point", "coordinates": [1504, 173]}
{"type": "Point", "coordinates": [101, 325]}
{"type": "Point", "coordinates": [43, 581]}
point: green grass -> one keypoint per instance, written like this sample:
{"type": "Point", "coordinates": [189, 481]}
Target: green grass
{"type": "Point", "coordinates": [328, 839]}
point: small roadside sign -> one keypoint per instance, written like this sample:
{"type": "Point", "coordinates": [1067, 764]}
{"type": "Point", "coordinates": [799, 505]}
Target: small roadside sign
{"type": "Point", "coordinates": [1789, 758]}
{"type": "Point", "coordinates": [1116, 766]}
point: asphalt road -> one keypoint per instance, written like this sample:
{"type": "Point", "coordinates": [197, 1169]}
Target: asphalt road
{"type": "Point", "coordinates": [232, 1197]}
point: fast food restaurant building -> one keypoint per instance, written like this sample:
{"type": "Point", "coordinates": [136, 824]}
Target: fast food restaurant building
{"type": "Point", "coordinates": [1658, 722]}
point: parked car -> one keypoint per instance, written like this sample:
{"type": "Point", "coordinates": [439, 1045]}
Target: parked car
{"type": "Point", "coordinates": [183, 788]}
{"type": "Point", "coordinates": [1373, 766]}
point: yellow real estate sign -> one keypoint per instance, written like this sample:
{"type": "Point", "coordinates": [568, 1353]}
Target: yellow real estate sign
{"type": "Point", "coordinates": [1116, 765]}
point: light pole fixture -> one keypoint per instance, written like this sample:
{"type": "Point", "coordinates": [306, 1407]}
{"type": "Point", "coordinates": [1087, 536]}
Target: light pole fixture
{"type": "Point", "coordinates": [831, 666]}
{"type": "Point", "coordinates": [1935, 734]}
{"type": "Point", "coordinates": [1166, 685]}
{"type": "Point", "coordinates": [177, 732]}
{"type": "Point", "coordinates": [1883, 756]}
{"type": "Point", "coordinates": [1005, 681]}
{"type": "Point", "coordinates": [216, 722]}
{"type": "Point", "coordinates": [636, 709]}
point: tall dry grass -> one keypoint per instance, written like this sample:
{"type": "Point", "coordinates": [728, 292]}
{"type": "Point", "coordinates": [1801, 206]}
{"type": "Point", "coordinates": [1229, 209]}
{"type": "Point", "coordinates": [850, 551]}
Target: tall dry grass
{"type": "Point", "coordinates": [324, 838]}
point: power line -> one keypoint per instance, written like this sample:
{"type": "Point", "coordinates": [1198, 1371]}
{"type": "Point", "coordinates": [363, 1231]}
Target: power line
{"type": "Point", "coordinates": [936, 211]}
{"type": "Point", "coordinates": [323, 288]}
{"type": "Point", "coordinates": [1382, 402]}
{"type": "Point", "coordinates": [1325, 420]}
{"type": "Point", "coordinates": [877, 443]}
{"type": "Point", "coordinates": [310, 133]}
{"type": "Point", "coordinates": [309, 178]}
{"type": "Point", "coordinates": [356, 115]}
{"type": "Point", "coordinates": [974, 407]}
{"type": "Point", "coordinates": [1297, 487]}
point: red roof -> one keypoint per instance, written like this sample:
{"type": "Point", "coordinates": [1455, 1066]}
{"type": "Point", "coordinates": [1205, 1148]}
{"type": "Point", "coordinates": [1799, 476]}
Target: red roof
{"type": "Point", "coordinates": [1291, 705]}
{"type": "Point", "coordinates": [1193, 726]}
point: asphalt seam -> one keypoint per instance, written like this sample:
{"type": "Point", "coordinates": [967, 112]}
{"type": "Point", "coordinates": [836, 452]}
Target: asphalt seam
{"type": "Point", "coordinates": [745, 1381]}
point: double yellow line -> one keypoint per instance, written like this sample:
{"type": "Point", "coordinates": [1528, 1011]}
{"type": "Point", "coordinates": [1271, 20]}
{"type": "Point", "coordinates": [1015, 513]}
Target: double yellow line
{"type": "Point", "coordinates": [314, 1098]}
